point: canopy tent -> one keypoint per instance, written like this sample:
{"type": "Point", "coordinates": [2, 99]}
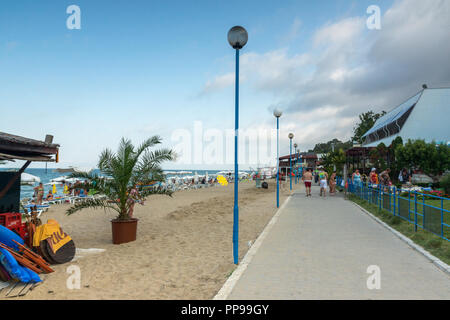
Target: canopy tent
{"type": "Point", "coordinates": [423, 116]}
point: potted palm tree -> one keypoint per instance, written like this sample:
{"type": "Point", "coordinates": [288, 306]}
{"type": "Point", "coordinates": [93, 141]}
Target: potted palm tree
{"type": "Point", "coordinates": [127, 176]}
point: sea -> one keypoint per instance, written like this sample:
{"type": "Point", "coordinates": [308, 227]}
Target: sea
{"type": "Point", "coordinates": [46, 175]}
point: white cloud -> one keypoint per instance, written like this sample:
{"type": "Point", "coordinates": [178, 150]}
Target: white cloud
{"type": "Point", "coordinates": [294, 31]}
{"type": "Point", "coordinates": [349, 69]}
{"type": "Point", "coordinates": [218, 83]}
{"type": "Point", "coordinates": [339, 33]}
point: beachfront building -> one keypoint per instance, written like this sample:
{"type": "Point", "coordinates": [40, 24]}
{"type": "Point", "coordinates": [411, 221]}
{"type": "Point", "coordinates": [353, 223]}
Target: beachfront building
{"type": "Point", "coordinates": [423, 116]}
{"type": "Point", "coordinates": [301, 160]}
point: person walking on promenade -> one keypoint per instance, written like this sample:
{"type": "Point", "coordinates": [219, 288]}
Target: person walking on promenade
{"type": "Point", "coordinates": [333, 184]}
{"type": "Point", "coordinates": [323, 178]}
{"type": "Point", "coordinates": [307, 179]}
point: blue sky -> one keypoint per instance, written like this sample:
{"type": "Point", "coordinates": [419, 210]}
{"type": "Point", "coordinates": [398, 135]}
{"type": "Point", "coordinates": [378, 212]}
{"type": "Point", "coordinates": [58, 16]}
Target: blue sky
{"type": "Point", "coordinates": [138, 68]}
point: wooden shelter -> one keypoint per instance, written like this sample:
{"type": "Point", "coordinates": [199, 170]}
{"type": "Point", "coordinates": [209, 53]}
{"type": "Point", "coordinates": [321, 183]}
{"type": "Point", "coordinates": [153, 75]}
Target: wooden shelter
{"type": "Point", "coordinates": [302, 159]}
{"type": "Point", "coordinates": [14, 147]}
{"type": "Point", "coordinates": [357, 158]}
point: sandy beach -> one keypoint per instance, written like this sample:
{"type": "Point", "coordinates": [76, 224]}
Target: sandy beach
{"type": "Point", "coordinates": [183, 248]}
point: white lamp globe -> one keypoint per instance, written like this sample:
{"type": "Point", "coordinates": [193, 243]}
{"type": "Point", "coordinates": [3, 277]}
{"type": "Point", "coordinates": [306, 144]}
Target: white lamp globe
{"type": "Point", "coordinates": [277, 113]}
{"type": "Point", "coordinates": [237, 37]}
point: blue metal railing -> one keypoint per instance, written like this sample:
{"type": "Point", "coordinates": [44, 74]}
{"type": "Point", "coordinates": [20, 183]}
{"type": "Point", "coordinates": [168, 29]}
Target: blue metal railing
{"type": "Point", "coordinates": [407, 205]}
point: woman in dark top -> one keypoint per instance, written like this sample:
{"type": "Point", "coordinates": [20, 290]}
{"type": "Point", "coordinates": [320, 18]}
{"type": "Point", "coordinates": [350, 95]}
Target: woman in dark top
{"type": "Point", "coordinates": [405, 176]}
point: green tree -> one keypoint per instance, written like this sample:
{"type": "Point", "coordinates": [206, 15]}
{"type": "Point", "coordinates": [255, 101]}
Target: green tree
{"type": "Point", "coordinates": [123, 170]}
{"type": "Point", "coordinates": [378, 156]}
{"type": "Point", "coordinates": [328, 146]}
{"type": "Point", "coordinates": [367, 120]}
{"type": "Point", "coordinates": [331, 159]}
{"type": "Point", "coordinates": [430, 158]}
{"type": "Point", "coordinates": [394, 164]}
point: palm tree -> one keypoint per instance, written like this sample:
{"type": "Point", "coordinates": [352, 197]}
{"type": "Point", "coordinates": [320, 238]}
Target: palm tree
{"type": "Point", "coordinates": [124, 170]}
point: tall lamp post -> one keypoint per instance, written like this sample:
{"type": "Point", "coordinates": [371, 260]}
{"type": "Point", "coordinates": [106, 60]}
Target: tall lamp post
{"type": "Point", "coordinates": [291, 135]}
{"type": "Point", "coordinates": [296, 164]}
{"type": "Point", "coordinates": [277, 114]}
{"type": "Point", "coordinates": [237, 38]}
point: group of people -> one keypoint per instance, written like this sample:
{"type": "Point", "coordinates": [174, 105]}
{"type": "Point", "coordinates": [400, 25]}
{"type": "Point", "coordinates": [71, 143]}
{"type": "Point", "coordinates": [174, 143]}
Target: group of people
{"type": "Point", "coordinates": [77, 189]}
{"type": "Point", "coordinates": [322, 179]}
{"type": "Point", "coordinates": [39, 194]}
{"type": "Point", "coordinates": [321, 176]}
{"type": "Point", "coordinates": [383, 178]}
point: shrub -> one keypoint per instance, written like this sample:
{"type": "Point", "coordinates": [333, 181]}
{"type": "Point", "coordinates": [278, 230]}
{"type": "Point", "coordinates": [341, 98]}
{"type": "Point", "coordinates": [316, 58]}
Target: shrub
{"type": "Point", "coordinates": [417, 237]}
{"type": "Point", "coordinates": [445, 183]}
{"type": "Point", "coordinates": [395, 220]}
{"type": "Point", "coordinates": [433, 244]}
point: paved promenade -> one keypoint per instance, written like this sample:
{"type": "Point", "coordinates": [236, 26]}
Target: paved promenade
{"type": "Point", "coordinates": [321, 249]}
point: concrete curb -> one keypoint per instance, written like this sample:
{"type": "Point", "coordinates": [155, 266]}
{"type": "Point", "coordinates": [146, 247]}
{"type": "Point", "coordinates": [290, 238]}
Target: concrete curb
{"type": "Point", "coordinates": [436, 261]}
{"type": "Point", "coordinates": [228, 286]}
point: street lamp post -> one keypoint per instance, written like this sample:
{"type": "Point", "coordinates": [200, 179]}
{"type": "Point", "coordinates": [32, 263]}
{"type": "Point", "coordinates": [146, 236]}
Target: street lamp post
{"type": "Point", "coordinates": [291, 135]}
{"type": "Point", "coordinates": [296, 164]}
{"type": "Point", "coordinates": [277, 115]}
{"type": "Point", "coordinates": [237, 38]}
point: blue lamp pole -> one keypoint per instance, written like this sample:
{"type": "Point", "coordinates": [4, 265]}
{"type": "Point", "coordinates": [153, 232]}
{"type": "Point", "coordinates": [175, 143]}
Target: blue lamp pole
{"type": "Point", "coordinates": [237, 38]}
{"type": "Point", "coordinates": [291, 135]}
{"type": "Point", "coordinates": [277, 115]}
{"type": "Point", "coordinates": [296, 164]}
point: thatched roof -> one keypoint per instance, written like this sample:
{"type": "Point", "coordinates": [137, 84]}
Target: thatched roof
{"type": "Point", "coordinates": [21, 148]}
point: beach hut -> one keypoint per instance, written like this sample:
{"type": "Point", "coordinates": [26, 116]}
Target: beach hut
{"type": "Point", "coordinates": [13, 148]}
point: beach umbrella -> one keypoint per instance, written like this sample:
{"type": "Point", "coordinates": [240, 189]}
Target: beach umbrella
{"type": "Point", "coordinates": [29, 178]}
{"type": "Point", "coordinates": [75, 169]}
{"type": "Point", "coordinates": [59, 179]}
{"type": "Point", "coordinates": [73, 180]}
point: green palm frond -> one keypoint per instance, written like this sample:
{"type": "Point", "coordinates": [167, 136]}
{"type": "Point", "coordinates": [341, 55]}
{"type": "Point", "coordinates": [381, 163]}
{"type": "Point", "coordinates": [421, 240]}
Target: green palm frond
{"type": "Point", "coordinates": [126, 168]}
{"type": "Point", "coordinates": [145, 192]}
{"type": "Point", "coordinates": [91, 203]}
{"type": "Point", "coordinates": [148, 144]}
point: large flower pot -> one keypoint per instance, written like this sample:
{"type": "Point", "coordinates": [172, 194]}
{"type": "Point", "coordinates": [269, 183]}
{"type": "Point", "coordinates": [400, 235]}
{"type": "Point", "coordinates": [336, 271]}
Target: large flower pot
{"type": "Point", "coordinates": [124, 231]}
